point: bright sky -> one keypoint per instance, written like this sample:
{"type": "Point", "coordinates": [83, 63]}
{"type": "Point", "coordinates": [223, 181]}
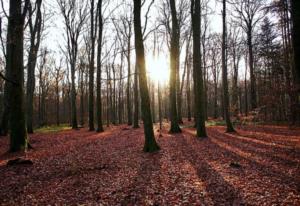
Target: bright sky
{"type": "Point", "coordinates": [54, 38]}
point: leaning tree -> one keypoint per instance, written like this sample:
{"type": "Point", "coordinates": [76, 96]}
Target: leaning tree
{"type": "Point", "coordinates": [150, 142]}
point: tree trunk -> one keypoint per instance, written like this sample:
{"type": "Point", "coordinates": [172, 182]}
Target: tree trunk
{"type": "Point", "coordinates": [224, 73]}
{"type": "Point", "coordinates": [252, 74]}
{"type": "Point", "coordinates": [136, 100]}
{"type": "Point", "coordinates": [188, 91]}
{"type": "Point", "coordinates": [57, 104]}
{"type": "Point", "coordinates": [91, 71]}
{"type": "Point", "coordinates": [296, 42]}
{"type": "Point", "coordinates": [15, 38]}
{"type": "Point", "coordinates": [5, 113]}
{"type": "Point", "coordinates": [174, 69]}
{"type": "Point", "coordinates": [150, 142]}
{"type": "Point", "coordinates": [35, 36]}
{"type": "Point", "coordinates": [73, 97]}
{"type": "Point", "coordinates": [99, 70]}
{"type": "Point", "coordinates": [197, 74]}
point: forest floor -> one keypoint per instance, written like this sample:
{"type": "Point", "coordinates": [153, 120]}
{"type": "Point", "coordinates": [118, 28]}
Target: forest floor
{"type": "Point", "coordinates": [258, 165]}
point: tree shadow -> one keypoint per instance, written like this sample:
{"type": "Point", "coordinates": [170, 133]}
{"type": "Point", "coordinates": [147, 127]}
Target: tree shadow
{"type": "Point", "coordinates": [270, 152]}
{"type": "Point", "coordinates": [219, 190]}
{"type": "Point", "coordinates": [281, 178]}
{"type": "Point", "coordinates": [146, 184]}
{"type": "Point", "coordinates": [271, 130]}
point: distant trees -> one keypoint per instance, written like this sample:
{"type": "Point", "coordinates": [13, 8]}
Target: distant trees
{"type": "Point", "coordinates": [150, 142]}
{"type": "Point", "coordinates": [207, 78]}
{"type": "Point", "coordinates": [248, 15]}
{"type": "Point", "coordinates": [74, 14]}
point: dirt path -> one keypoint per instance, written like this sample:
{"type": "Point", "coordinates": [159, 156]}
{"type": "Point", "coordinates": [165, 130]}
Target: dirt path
{"type": "Point", "coordinates": [81, 167]}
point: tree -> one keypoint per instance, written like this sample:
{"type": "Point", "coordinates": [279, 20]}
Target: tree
{"type": "Point", "coordinates": [150, 142]}
{"type": "Point", "coordinates": [224, 73]}
{"type": "Point", "coordinates": [296, 41]}
{"type": "Point", "coordinates": [74, 14]}
{"type": "Point", "coordinates": [58, 76]}
{"type": "Point", "coordinates": [174, 59]}
{"type": "Point", "coordinates": [197, 70]}
{"type": "Point", "coordinates": [248, 15]}
{"type": "Point", "coordinates": [15, 72]}
{"type": "Point", "coordinates": [35, 28]}
{"type": "Point", "coordinates": [92, 66]}
{"type": "Point", "coordinates": [99, 68]}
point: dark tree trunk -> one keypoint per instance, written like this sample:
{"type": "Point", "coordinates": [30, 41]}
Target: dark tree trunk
{"type": "Point", "coordinates": [159, 106]}
{"type": "Point", "coordinates": [91, 71]}
{"type": "Point", "coordinates": [15, 38]}
{"type": "Point", "coordinates": [197, 74]}
{"type": "Point", "coordinates": [174, 69]}
{"type": "Point", "coordinates": [136, 100]}
{"type": "Point", "coordinates": [82, 96]}
{"type": "Point", "coordinates": [150, 142]}
{"type": "Point", "coordinates": [35, 36]}
{"type": "Point", "coordinates": [224, 73]}
{"type": "Point", "coordinates": [251, 66]}
{"type": "Point", "coordinates": [99, 70]}
{"type": "Point", "coordinates": [57, 103]}
{"type": "Point", "coordinates": [129, 106]}
{"type": "Point", "coordinates": [188, 87]}
{"type": "Point", "coordinates": [5, 113]}
{"type": "Point", "coordinates": [296, 42]}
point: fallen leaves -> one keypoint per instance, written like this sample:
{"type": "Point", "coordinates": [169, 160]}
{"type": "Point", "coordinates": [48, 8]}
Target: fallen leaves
{"type": "Point", "coordinates": [255, 166]}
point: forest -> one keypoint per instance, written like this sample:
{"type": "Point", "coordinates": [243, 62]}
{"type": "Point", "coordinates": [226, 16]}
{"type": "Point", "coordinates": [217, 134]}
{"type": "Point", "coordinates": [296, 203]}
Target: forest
{"type": "Point", "coordinates": [150, 102]}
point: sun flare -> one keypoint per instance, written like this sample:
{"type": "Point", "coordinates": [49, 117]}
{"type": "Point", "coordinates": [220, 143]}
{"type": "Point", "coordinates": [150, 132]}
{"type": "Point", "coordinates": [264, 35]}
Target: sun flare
{"type": "Point", "coordinates": [158, 69]}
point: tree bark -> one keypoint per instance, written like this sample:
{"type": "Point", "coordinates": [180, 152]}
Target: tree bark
{"type": "Point", "coordinates": [174, 69]}
{"type": "Point", "coordinates": [224, 73]}
{"type": "Point", "coordinates": [197, 74]}
{"type": "Point", "coordinates": [150, 142]}
{"type": "Point", "coordinates": [15, 38]}
{"type": "Point", "coordinates": [35, 36]}
{"type": "Point", "coordinates": [136, 100]}
{"type": "Point", "coordinates": [296, 42]}
{"type": "Point", "coordinates": [99, 69]}
{"type": "Point", "coordinates": [91, 71]}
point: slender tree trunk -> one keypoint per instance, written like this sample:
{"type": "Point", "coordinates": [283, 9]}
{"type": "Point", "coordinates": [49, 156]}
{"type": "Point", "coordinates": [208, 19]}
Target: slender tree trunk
{"type": "Point", "coordinates": [252, 74]}
{"type": "Point", "coordinates": [35, 36]}
{"type": "Point", "coordinates": [224, 73]}
{"type": "Point", "coordinates": [136, 100]}
{"type": "Point", "coordinates": [91, 71]}
{"type": "Point", "coordinates": [188, 89]}
{"type": "Point", "coordinates": [57, 103]}
{"type": "Point", "coordinates": [73, 97]}
{"type": "Point", "coordinates": [99, 70]}
{"type": "Point", "coordinates": [82, 97]}
{"type": "Point", "coordinates": [5, 113]}
{"type": "Point", "coordinates": [174, 67]}
{"type": "Point", "coordinates": [150, 142]}
{"type": "Point", "coordinates": [197, 74]}
{"type": "Point", "coordinates": [246, 89]}
{"type": "Point", "coordinates": [129, 106]}
{"type": "Point", "coordinates": [159, 106]}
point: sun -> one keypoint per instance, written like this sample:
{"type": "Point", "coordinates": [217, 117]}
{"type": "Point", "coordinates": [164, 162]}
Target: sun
{"type": "Point", "coordinates": [158, 69]}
